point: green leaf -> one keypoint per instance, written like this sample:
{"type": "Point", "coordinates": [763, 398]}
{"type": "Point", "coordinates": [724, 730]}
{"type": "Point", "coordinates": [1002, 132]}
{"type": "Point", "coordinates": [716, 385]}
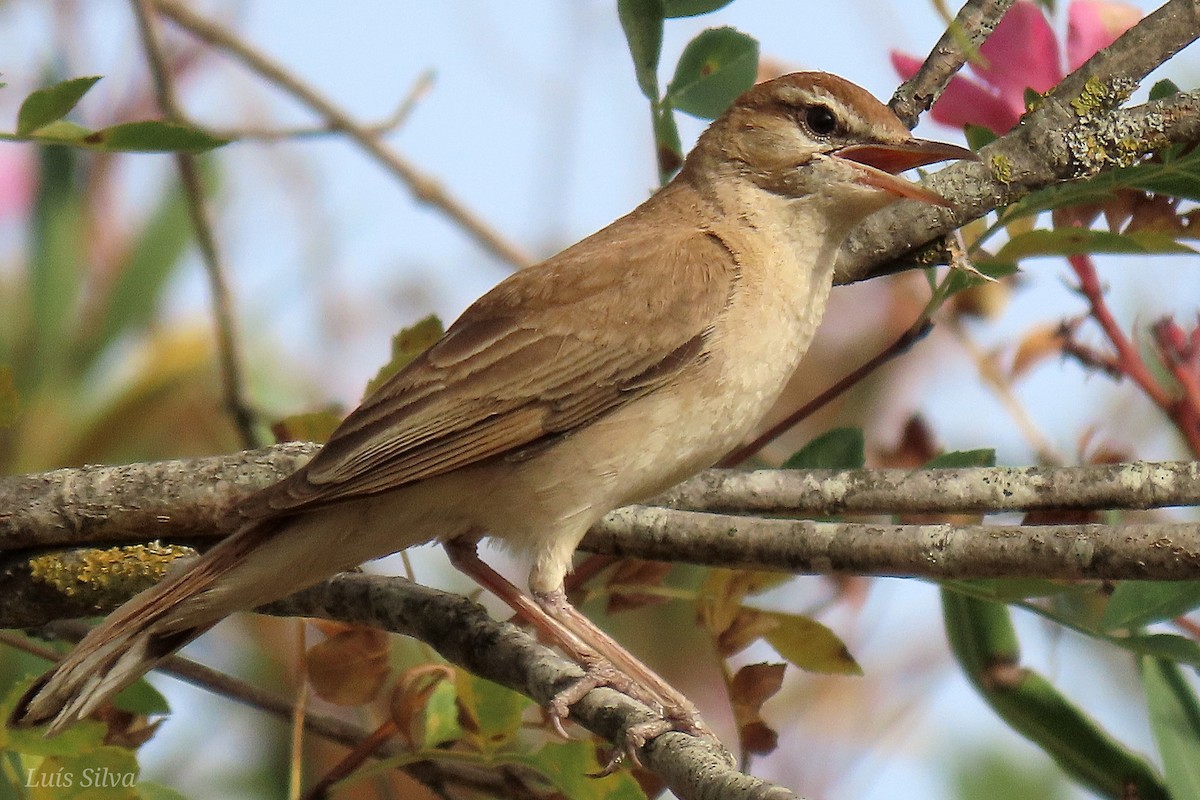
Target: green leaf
{"type": "Point", "coordinates": [716, 67]}
{"type": "Point", "coordinates": [1005, 589]}
{"type": "Point", "coordinates": [440, 717]}
{"type": "Point", "coordinates": [984, 642]}
{"type": "Point", "coordinates": [311, 426]}
{"type": "Point", "coordinates": [1137, 603]}
{"type": "Point", "coordinates": [673, 9]}
{"type": "Point", "coordinates": [141, 698]}
{"type": "Point", "coordinates": [1166, 646]}
{"type": "Point", "coordinates": [998, 773]}
{"type": "Point", "coordinates": [148, 790]}
{"type": "Point", "coordinates": [1072, 241]}
{"type": "Point", "coordinates": [963, 458]}
{"type": "Point", "coordinates": [958, 280]}
{"type": "Point", "coordinates": [840, 448]}
{"type": "Point", "coordinates": [569, 766]}
{"type": "Point", "coordinates": [668, 149]}
{"type": "Point", "coordinates": [809, 645]}
{"type": "Point", "coordinates": [495, 710]}
{"type": "Point", "coordinates": [153, 136]}
{"type": "Point", "coordinates": [642, 21]}
{"type": "Point", "coordinates": [1175, 720]}
{"type": "Point", "coordinates": [978, 136]}
{"type": "Point", "coordinates": [61, 132]}
{"type": "Point", "coordinates": [409, 343]}
{"type": "Point", "coordinates": [57, 262]}
{"type": "Point", "coordinates": [108, 773]}
{"type": "Point", "coordinates": [47, 105]}
{"type": "Point", "coordinates": [1163, 89]}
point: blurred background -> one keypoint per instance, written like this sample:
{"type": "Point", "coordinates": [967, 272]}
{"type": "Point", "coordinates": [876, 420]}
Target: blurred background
{"type": "Point", "coordinates": [534, 122]}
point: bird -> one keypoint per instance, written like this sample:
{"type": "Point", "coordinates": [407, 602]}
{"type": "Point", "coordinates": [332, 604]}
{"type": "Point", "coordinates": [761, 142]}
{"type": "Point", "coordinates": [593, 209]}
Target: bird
{"type": "Point", "coordinates": [599, 377]}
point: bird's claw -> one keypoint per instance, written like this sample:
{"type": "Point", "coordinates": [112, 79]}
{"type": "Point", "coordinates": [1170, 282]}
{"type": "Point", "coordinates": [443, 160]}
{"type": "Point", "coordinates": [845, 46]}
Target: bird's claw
{"type": "Point", "coordinates": [601, 673]}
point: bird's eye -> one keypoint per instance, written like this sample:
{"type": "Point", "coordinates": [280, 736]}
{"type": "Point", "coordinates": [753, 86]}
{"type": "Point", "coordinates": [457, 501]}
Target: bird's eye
{"type": "Point", "coordinates": [820, 120]}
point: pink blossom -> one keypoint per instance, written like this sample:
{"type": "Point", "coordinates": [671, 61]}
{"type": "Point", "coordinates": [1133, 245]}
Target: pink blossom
{"type": "Point", "coordinates": [16, 180]}
{"type": "Point", "coordinates": [1021, 54]}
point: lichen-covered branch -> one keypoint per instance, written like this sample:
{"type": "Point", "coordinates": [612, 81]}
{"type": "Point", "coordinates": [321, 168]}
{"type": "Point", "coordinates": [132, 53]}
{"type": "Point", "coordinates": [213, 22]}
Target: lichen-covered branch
{"type": "Point", "coordinates": [189, 499]}
{"type": "Point", "coordinates": [1076, 130]}
{"type": "Point", "coordinates": [1159, 551]}
{"type": "Point", "coordinates": [1136, 485]}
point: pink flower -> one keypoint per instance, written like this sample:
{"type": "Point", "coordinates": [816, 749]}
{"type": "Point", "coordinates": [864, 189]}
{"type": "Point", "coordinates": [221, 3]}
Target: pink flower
{"type": "Point", "coordinates": [1023, 53]}
{"type": "Point", "coordinates": [16, 180]}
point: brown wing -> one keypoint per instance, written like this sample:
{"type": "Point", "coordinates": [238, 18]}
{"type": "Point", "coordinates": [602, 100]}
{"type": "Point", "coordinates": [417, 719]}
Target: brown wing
{"type": "Point", "coordinates": [548, 350]}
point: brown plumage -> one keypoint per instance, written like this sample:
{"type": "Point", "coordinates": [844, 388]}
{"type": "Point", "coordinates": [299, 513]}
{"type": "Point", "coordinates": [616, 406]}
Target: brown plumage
{"type": "Point", "coordinates": [596, 378]}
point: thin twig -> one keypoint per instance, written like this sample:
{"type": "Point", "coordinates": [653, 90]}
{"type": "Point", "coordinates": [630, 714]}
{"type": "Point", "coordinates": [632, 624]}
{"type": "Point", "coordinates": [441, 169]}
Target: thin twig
{"type": "Point", "coordinates": [193, 190]}
{"type": "Point", "coordinates": [433, 773]}
{"type": "Point", "coordinates": [1128, 359]}
{"type": "Point", "coordinates": [420, 88]}
{"type": "Point", "coordinates": [1182, 357]}
{"type": "Point", "coordinates": [423, 187]}
{"type": "Point", "coordinates": [914, 334]}
{"type": "Point", "coordinates": [975, 22]}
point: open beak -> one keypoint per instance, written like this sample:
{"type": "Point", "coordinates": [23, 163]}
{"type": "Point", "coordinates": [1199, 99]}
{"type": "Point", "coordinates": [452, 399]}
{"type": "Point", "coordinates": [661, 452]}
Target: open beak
{"type": "Point", "coordinates": [878, 165]}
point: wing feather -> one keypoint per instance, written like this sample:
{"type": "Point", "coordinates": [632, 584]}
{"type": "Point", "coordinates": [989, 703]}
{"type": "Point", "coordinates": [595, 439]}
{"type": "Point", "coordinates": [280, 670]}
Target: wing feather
{"type": "Point", "coordinates": [548, 350]}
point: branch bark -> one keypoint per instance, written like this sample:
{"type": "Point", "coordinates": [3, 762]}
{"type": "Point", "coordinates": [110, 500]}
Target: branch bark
{"type": "Point", "coordinates": [187, 500]}
{"type": "Point", "coordinates": [1043, 149]}
{"type": "Point", "coordinates": [972, 25]}
{"type": "Point", "coordinates": [463, 633]}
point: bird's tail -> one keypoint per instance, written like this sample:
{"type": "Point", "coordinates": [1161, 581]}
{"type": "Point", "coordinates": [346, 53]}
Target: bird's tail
{"type": "Point", "coordinates": [136, 637]}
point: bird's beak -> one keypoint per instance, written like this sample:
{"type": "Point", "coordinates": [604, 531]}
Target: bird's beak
{"type": "Point", "coordinates": [878, 163]}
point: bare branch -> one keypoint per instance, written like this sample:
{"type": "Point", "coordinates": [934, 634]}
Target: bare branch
{"type": "Point", "coordinates": [187, 499]}
{"type": "Point", "coordinates": [1149, 552]}
{"type": "Point", "coordinates": [423, 187]}
{"type": "Point", "coordinates": [223, 317]}
{"type": "Point", "coordinates": [974, 23]}
{"type": "Point", "coordinates": [972, 490]}
{"type": "Point", "coordinates": [419, 89]}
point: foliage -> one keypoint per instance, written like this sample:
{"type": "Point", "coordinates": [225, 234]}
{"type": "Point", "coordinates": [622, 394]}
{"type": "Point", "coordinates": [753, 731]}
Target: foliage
{"type": "Point", "coordinates": [73, 313]}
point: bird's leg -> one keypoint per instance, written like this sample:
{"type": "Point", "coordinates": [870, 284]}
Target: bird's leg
{"type": "Point", "coordinates": [675, 706]}
{"type": "Point", "coordinates": [605, 662]}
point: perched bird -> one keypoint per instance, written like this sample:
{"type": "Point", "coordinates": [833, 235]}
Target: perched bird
{"type": "Point", "coordinates": [597, 378]}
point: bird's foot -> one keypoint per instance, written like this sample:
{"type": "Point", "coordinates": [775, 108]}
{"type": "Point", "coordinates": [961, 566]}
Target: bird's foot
{"type": "Point", "coordinates": [672, 717]}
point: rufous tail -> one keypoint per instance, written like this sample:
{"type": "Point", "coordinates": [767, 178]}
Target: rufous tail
{"type": "Point", "coordinates": [134, 638]}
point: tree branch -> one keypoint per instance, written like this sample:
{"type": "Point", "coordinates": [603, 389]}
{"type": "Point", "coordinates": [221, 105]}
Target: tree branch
{"type": "Point", "coordinates": [1053, 143]}
{"type": "Point", "coordinates": [464, 634]}
{"type": "Point", "coordinates": [1160, 551]}
{"type": "Point", "coordinates": [973, 24]}
{"type": "Point", "coordinates": [224, 320]}
{"type": "Point", "coordinates": [423, 187]}
{"type": "Point", "coordinates": [187, 499]}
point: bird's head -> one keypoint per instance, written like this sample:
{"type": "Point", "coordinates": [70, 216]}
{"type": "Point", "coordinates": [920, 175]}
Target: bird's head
{"type": "Point", "coordinates": [812, 134]}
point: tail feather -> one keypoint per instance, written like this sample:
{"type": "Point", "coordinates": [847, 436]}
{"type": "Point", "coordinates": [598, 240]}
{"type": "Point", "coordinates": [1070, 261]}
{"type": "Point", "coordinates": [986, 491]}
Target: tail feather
{"type": "Point", "coordinates": [135, 638]}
